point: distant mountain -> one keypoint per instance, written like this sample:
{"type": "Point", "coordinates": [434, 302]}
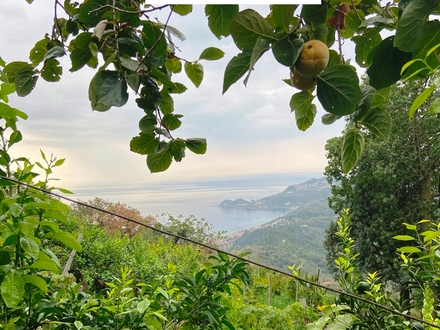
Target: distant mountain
{"type": "Point", "coordinates": [290, 199]}
{"type": "Point", "coordinates": [294, 238]}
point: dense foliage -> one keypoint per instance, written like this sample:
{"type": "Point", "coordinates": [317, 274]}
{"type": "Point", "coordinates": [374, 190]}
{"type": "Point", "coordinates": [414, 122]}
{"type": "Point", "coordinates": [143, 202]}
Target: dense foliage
{"type": "Point", "coordinates": [394, 182]}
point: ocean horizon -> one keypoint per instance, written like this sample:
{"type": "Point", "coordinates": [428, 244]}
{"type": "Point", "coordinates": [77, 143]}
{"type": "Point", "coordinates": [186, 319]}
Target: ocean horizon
{"type": "Point", "coordinates": [200, 198]}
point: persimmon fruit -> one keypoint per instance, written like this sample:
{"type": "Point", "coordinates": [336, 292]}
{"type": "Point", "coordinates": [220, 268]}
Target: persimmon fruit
{"type": "Point", "coordinates": [338, 18]}
{"type": "Point", "coordinates": [313, 59]}
{"type": "Point", "coordinates": [300, 82]}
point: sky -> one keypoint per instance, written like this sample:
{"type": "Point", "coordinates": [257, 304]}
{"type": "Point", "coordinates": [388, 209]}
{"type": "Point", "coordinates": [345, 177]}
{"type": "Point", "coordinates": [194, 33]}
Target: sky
{"type": "Point", "coordinates": [250, 130]}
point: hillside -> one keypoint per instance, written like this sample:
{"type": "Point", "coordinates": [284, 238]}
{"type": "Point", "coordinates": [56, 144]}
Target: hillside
{"type": "Point", "coordinates": [289, 199]}
{"type": "Point", "coordinates": [294, 238]}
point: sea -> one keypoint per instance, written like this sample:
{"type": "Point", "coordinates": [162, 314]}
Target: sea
{"type": "Point", "coordinates": [200, 198]}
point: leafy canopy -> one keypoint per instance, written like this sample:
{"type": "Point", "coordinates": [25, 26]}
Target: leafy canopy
{"type": "Point", "coordinates": [131, 51]}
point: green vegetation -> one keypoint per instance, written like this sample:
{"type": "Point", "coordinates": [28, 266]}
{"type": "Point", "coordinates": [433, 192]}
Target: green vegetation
{"type": "Point", "coordinates": [197, 289]}
{"type": "Point", "coordinates": [295, 238]}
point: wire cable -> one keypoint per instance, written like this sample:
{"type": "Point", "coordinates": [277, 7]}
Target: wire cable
{"type": "Point", "coordinates": [390, 310]}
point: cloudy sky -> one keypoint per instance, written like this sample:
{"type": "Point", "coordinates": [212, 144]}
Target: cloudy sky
{"type": "Point", "coordinates": [250, 130]}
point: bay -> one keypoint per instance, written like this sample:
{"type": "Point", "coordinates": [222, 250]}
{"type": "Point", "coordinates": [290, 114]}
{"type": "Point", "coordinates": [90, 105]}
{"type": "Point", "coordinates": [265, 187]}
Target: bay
{"type": "Point", "coordinates": [199, 198]}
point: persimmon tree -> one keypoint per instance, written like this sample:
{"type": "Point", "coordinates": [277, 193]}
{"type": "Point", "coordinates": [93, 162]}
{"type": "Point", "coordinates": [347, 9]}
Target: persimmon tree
{"type": "Point", "coordinates": [132, 51]}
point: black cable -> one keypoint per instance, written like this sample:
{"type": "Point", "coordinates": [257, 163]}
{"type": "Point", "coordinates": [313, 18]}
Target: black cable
{"type": "Point", "coordinates": [395, 312]}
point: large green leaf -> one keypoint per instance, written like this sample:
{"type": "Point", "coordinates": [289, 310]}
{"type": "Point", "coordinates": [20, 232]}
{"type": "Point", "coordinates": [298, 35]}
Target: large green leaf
{"type": "Point", "coordinates": [107, 89]}
{"type": "Point", "coordinates": [152, 36]}
{"type": "Point", "coordinates": [236, 68]}
{"type": "Point", "coordinates": [197, 145]}
{"type": "Point", "coordinates": [411, 23]}
{"type": "Point", "coordinates": [172, 121]}
{"type": "Point", "coordinates": [159, 162]}
{"type": "Point", "coordinates": [144, 144]}
{"type": "Point", "coordinates": [79, 58]}
{"type": "Point", "coordinates": [37, 281]}
{"type": "Point", "coordinates": [281, 16]}
{"type": "Point", "coordinates": [38, 52]}
{"type": "Point", "coordinates": [365, 44]}
{"type": "Point", "coordinates": [420, 99]}
{"type": "Point", "coordinates": [287, 50]}
{"type": "Point", "coordinates": [387, 64]}
{"type": "Point", "coordinates": [220, 18]}
{"type": "Point", "coordinates": [194, 71]}
{"type": "Point", "coordinates": [30, 247]}
{"type": "Point", "coordinates": [261, 46]}
{"type": "Point", "coordinates": [352, 148]}
{"type": "Point", "coordinates": [378, 122]}
{"type": "Point", "coordinates": [65, 238]}
{"type": "Point", "coordinates": [182, 10]}
{"type": "Point", "coordinates": [211, 54]}
{"type": "Point", "coordinates": [12, 289]}
{"type": "Point", "coordinates": [166, 103]}
{"type": "Point", "coordinates": [247, 26]}
{"type": "Point", "coordinates": [52, 70]}
{"type": "Point", "coordinates": [25, 80]}
{"type": "Point", "coordinates": [338, 90]}
{"type": "Point", "coordinates": [177, 149]}
{"type": "Point", "coordinates": [91, 11]}
{"type": "Point", "coordinates": [430, 37]}
{"type": "Point", "coordinates": [305, 111]}
{"type": "Point", "coordinates": [314, 14]}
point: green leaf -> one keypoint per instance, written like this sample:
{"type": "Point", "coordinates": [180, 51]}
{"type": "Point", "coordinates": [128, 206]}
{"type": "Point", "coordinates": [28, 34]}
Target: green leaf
{"type": "Point", "coordinates": [379, 122]}
{"type": "Point", "coordinates": [5, 90]}
{"type": "Point", "coordinates": [409, 249]}
{"type": "Point", "coordinates": [281, 16]}
{"type": "Point", "coordinates": [380, 98]}
{"type": "Point", "coordinates": [36, 281]}
{"type": "Point", "coordinates": [91, 11]}
{"type": "Point", "coordinates": [247, 26]}
{"type": "Point", "coordinates": [159, 162]}
{"type": "Point", "coordinates": [429, 38]}
{"type": "Point", "coordinates": [177, 149]}
{"type": "Point", "coordinates": [15, 138]}
{"type": "Point", "coordinates": [404, 238]}
{"type": "Point", "coordinates": [45, 264]}
{"type": "Point", "coordinates": [166, 103]}
{"type": "Point", "coordinates": [30, 247]}
{"type": "Point", "coordinates": [365, 44]}
{"type": "Point", "coordinates": [12, 289]}
{"type": "Point", "coordinates": [261, 46]}
{"type": "Point", "coordinates": [352, 20]}
{"type": "Point", "coordinates": [338, 90]}
{"type": "Point", "coordinates": [79, 58]}
{"type": "Point", "coordinates": [329, 118]}
{"type": "Point", "coordinates": [387, 64]}
{"type": "Point", "coordinates": [410, 25]}
{"type": "Point", "coordinates": [107, 89]}
{"type": "Point", "coordinates": [287, 50]}
{"type": "Point", "coordinates": [236, 68]}
{"type": "Point", "coordinates": [211, 54]}
{"type": "Point", "coordinates": [196, 145]}
{"type": "Point", "coordinates": [220, 18]}
{"type": "Point", "coordinates": [172, 121]}
{"type": "Point", "coordinates": [152, 36]}
{"type": "Point", "coordinates": [39, 51]}
{"type": "Point", "coordinates": [65, 238]}
{"type": "Point", "coordinates": [52, 70]}
{"type": "Point", "coordinates": [144, 144]}
{"type": "Point", "coordinates": [305, 111]}
{"type": "Point", "coordinates": [352, 149]}
{"type": "Point", "coordinates": [434, 107]}
{"type": "Point", "coordinates": [182, 10]}
{"type": "Point", "coordinates": [194, 71]}
{"type": "Point", "coordinates": [314, 14]}
{"type": "Point", "coordinates": [420, 99]}
{"type": "Point", "coordinates": [143, 305]}
{"type": "Point", "coordinates": [25, 80]}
